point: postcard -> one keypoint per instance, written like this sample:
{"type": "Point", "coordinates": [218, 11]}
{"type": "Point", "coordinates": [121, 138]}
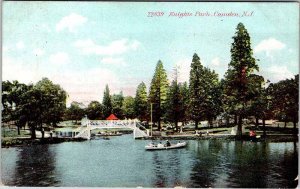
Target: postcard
{"type": "Point", "coordinates": [150, 94]}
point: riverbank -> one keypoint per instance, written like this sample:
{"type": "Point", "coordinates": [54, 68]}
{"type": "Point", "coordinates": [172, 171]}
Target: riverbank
{"type": "Point", "coordinates": [268, 138]}
{"type": "Point", "coordinates": [15, 142]}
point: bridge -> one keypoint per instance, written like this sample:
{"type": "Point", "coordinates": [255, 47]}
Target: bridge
{"type": "Point", "coordinates": [88, 125]}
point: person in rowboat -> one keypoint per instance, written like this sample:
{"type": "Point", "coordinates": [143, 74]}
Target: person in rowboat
{"type": "Point", "coordinates": [168, 143]}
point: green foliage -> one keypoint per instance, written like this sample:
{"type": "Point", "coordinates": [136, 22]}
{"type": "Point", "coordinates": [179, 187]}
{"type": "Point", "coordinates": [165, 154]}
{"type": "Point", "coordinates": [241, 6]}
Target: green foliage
{"type": "Point", "coordinates": [75, 111]}
{"type": "Point", "coordinates": [195, 89]}
{"type": "Point", "coordinates": [184, 92]}
{"type": "Point", "coordinates": [174, 104]}
{"type": "Point", "coordinates": [158, 92]}
{"type": "Point", "coordinates": [128, 107]}
{"type": "Point", "coordinates": [140, 102]}
{"type": "Point", "coordinates": [284, 101]}
{"type": "Point", "coordinates": [107, 104]}
{"type": "Point", "coordinates": [117, 103]}
{"type": "Point", "coordinates": [44, 102]}
{"type": "Point", "coordinates": [53, 101]}
{"type": "Point", "coordinates": [237, 85]}
{"type": "Point", "coordinates": [94, 111]}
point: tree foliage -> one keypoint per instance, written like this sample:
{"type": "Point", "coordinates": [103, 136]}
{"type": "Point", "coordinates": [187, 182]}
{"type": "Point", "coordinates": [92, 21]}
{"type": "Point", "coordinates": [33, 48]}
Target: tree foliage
{"type": "Point", "coordinates": [117, 103]}
{"type": "Point", "coordinates": [237, 95]}
{"type": "Point", "coordinates": [43, 103]}
{"type": "Point", "coordinates": [284, 99]}
{"type": "Point", "coordinates": [94, 111]}
{"type": "Point", "coordinates": [140, 102]}
{"type": "Point", "coordinates": [128, 107]}
{"type": "Point", "coordinates": [158, 92]}
{"type": "Point", "coordinates": [107, 104]}
{"type": "Point", "coordinates": [196, 90]}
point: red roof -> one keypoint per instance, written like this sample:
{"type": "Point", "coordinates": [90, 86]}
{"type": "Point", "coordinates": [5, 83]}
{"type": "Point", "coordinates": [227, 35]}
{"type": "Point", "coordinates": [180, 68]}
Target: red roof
{"type": "Point", "coordinates": [112, 117]}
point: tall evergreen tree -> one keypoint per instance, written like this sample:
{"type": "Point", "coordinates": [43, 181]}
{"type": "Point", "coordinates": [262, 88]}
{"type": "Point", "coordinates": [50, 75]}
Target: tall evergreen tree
{"type": "Point", "coordinates": [158, 92]}
{"type": "Point", "coordinates": [107, 104]}
{"type": "Point", "coordinates": [196, 90]}
{"type": "Point", "coordinates": [140, 102]}
{"type": "Point", "coordinates": [128, 107]}
{"type": "Point", "coordinates": [240, 68]}
{"type": "Point", "coordinates": [174, 104]}
{"type": "Point", "coordinates": [117, 103]}
{"type": "Point", "coordinates": [184, 92]}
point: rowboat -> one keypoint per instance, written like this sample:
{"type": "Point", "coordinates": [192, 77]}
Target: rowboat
{"type": "Point", "coordinates": [165, 147]}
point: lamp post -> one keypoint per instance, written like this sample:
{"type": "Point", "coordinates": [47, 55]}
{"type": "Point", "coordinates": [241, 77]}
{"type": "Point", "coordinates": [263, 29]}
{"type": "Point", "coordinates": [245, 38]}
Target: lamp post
{"type": "Point", "coordinates": [151, 123]}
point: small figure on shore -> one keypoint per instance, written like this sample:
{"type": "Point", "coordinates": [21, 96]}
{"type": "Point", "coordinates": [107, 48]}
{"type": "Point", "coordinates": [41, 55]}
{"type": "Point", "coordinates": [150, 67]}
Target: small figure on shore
{"type": "Point", "coordinates": [207, 133]}
{"type": "Point", "coordinates": [252, 135]}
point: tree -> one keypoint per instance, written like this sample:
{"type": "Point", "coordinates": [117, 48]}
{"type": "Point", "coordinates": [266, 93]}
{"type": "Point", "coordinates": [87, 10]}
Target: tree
{"type": "Point", "coordinates": [117, 103]}
{"type": "Point", "coordinates": [174, 104]}
{"type": "Point", "coordinates": [43, 103]}
{"type": "Point", "coordinates": [158, 92]}
{"type": "Point", "coordinates": [12, 103]}
{"type": "Point", "coordinates": [259, 107]}
{"type": "Point", "coordinates": [94, 110]}
{"type": "Point", "coordinates": [211, 95]}
{"type": "Point", "coordinates": [140, 102]}
{"type": "Point", "coordinates": [196, 90]}
{"type": "Point", "coordinates": [107, 104]}
{"type": "Point", "coordinates": [184, 93]}
{"type": "Point", "coordinates": [53, 101]}
{"type": "Point", "coordinates": [128, 107]}
{"type": "Point", "coordinates": [75, 111]}
{"type": "Point", "coordinates": [285, 102]}
{"type": "Point", "coordinates": [240, 68]}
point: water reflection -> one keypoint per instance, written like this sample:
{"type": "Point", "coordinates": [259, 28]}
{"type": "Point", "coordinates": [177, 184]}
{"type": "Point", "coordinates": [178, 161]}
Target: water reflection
{"type": "Point", "coordinates": [167, 168]}
{"type": "Point", "coordinates": [35, 167]}
{"type": "Point", "coordinates": [205, 169]}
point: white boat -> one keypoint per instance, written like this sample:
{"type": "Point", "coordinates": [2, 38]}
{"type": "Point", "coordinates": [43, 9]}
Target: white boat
{"type": "Point", "coordinates": [165, 147]}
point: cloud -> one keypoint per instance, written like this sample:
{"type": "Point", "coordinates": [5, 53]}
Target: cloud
{"type": "Point", "coordinates": [276, 73]}
{"type": "Point", "coordinates": [71, 22]}
{"type": "Point", "coordinates": [85, 86]}
{"type": "Point", "coordinates": [111, 60]}
{"type": "Point", "coordinates": [38, 52]}
{"type": "Point", "coordinates": [20, 45]}
{"type": "Point", "coordinates": [15, 69]}
{"type": "Point", "coordinates": [114, 48]}
{"type": "Point", "coordinates": [59, 58]}
{"type": "Point", "coordinates": [216, 61]}
{"type": "Point", "coordinates": [269, 45]}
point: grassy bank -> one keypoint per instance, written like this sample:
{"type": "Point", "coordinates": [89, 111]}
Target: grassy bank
{"type": "Point", "coordinates": [13, 142]}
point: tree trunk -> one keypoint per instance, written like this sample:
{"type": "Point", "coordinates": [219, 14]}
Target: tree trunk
{"type": "Point", "coordinates": [235, 119]}
{"type": "Point", "coordinates": [196, 125]}
{"type": "Point", "coordinates": [295, 130]}
{"type": "Point", "coordinates": [256, 122]}
{"type": "Point", "coordinates": [32, 129]}
{"type": "Point", "coordinates": [284, 124]}
{"type": "Point", "coordinates": [176, 125]}
{"type": "Point", "coordinates": [264, 127]}
{"type": "Point", "coordinates": [18, 130]}
{"type": "Point", "coordinates": [239, 128]}
{"type": "Point", "coordinates": [159, 125]}
{"type": "Point", "coordinates": [210, 123]}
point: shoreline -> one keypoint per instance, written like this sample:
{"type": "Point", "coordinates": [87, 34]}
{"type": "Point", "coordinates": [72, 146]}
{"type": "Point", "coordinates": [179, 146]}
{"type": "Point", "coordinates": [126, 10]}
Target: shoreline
{"type": "Point", "coordinates": [20, 142]}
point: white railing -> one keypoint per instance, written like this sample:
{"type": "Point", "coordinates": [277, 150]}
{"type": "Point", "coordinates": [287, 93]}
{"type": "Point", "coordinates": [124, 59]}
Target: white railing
{"type": "Point", "coordinates": [85, 131]}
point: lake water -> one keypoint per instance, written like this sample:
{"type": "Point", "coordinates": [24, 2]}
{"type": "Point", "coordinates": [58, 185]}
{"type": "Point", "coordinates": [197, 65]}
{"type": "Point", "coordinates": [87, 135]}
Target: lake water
{"type": "Point", "coordinates": [123, 162]}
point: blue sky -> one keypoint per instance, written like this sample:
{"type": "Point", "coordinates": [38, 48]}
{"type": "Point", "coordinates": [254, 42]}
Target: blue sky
{"type": "Point", "coordinates": [84, 45]}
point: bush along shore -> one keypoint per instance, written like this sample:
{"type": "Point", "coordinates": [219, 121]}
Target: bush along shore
{"type": "Point", "coordinates": [16, 142]}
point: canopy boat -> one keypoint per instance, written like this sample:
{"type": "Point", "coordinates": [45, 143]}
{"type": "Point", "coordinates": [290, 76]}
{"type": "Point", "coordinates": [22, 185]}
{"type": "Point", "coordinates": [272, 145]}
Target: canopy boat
{"type": "Point", "coordinates": [165, 147]}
